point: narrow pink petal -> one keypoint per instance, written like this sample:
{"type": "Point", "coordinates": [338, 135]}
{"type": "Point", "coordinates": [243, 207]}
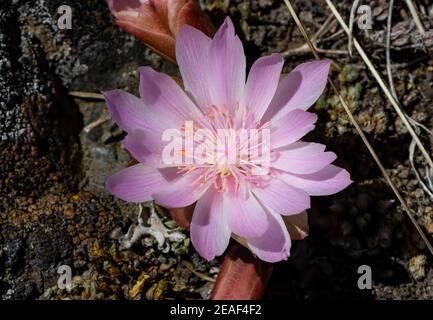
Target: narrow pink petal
{"type": "Point", "coordinates": [137, 183]}
{"type": "Point", "coordinates": [165, 98]}
{"type": "Point", "coordinates": [128, 111]}
{"type": "Point", "coordinates": [262, 83]}
{"type": "Point", "coordinates": [183, 191]}
{"type": "Point", "coordinates": [227, 67]}
{"type": "Point", "coordinates": [291, 127]}
{"type": "Point", "coordinates": [283, 198]}
{"type": "Point", "coordinates": [192, 55]}
{"type": "Point", "coordinates": [210, 233]}
{"type": "Point", "coordinates": [146, 147]}
{"type": "Point", "coordinates": [274, 245]}
{"type": "Point", "coordinates": [329, 180]}
{"type": "Point", "coordinates": [246, 216]}
{"type": "Point", "coordinates": [303, 157]}
{"type": "Point", "coordinates": [299, 89]}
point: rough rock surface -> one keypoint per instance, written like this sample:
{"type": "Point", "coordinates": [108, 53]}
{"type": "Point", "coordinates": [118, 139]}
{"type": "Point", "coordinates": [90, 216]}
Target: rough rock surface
{"type": "Point", "coordinates": [53, 207]}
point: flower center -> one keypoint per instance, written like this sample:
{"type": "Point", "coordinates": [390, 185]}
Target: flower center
{"type": "Point", "coordinates": [234, 147]}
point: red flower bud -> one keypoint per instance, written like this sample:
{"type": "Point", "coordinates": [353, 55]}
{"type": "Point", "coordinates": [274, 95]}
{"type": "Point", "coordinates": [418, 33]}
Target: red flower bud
{"type": "Point", "coordinates": [156, 22]}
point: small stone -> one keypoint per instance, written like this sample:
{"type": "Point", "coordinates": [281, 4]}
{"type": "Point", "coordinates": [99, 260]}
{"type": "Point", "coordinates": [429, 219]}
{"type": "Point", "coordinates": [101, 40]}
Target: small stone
{"type": "Point", "coordinates": [138, 286]}
{"type": "Point", "coordinates": [157, 291]}
{"type": "Point", "coordinates": [116, 233]}
{"type": "Point", "coordinates": [429, 227]}
{"type": "Point", "coordinates": [417, 266]}
{"type": "Point", "coordinates": [69, 213]}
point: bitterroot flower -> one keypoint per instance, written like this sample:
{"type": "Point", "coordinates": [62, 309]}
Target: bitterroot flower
{"type": "Point", "coordinates": [246, 194]}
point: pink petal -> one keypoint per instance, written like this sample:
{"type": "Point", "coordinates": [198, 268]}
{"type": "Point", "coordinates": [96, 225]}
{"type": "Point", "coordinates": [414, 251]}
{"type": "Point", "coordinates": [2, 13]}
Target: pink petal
{"type": "Point", "coordinates": [246, 216]}
{"type": "Point", "coordinates": [183, 191]}
{"type": "Point", "coordinates": [128, 111]}
{"type": "Point", "coordinates": [283, 198]}
{"type": "Point", "coordinates": [329, 180]}
{"type": "Point", "coordinates": [262, 83]}
{"type": "Point", "coordinates": [192, 55]}
{"type": "Point", "coordinates": [227, 67]}
{"type": "Point", "coordinates": [303, 157]}
{"type": "Point", "coordinates": [210, 233]}
{"type": "Point", "coordinates": [291, 127]}
{"type": "Point", "coordinates": [146, 147]}
{"type": "Point", "coordinates": [137, 183]}
{"type": "Point", "coordinates": [299, 89]}
{"type": "Point", "coordinates": [165, 98]}
{"type": "Point", "coordinates": [274, 245]}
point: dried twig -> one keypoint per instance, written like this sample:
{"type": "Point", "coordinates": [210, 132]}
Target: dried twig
{"type": "Point", "coordinates": [190, 267]}
{"type": "Point", "coordinates": [332, 36]}
{"type": "Point", "coordinates": [324, 28]}
{"type": "Point", "coordinates": [86, 95]}
{"type": "Point", "coordinates": [96, 123]}
{"type": "Point", "coordinates": [357, 126]}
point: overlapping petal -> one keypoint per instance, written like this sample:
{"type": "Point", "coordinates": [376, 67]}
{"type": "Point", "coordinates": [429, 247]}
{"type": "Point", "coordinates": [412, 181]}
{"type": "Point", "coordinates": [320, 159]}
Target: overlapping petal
{"type": "Point", "coordinates": [210, 233]}
{"type": "Point", "coordinates": [129, 112]}
{"type": "Point", "coordinates": [227, 67]}
{"type": "Point", "coordinates": [183, 191]}
{"type": "Point", "coordinates": [303, 157]}
{"type": "Point", "coordinates": [146, 147]}
{"type": "Point", "coordinates": [247, 216]}
{"type": "Point", "coordinates": [262, 83]}
{"type": "Point", "coordinates": [274, 245]}
{"type": "Point", "coordinates": [329, 180]}
{"type": "Point", "coordinates": [291, 127]}
{"type": "Point", "coordinates": [192, 55]}
{"type": "Point", "coordinates": [138, 182]}
{"type": "Point", "coordinates": [164, 97]}
{"type": "Point", "coordinates": [299, 89]}
{"type": "Point", "coordinates": [283, 198]}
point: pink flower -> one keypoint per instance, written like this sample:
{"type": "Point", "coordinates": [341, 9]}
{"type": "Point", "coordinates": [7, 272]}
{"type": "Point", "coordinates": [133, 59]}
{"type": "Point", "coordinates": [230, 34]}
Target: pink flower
{"type": "Point", "coordinates": [230, 198]}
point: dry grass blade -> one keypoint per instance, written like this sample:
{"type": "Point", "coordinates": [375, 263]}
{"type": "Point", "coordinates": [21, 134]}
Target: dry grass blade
{"type": "Point", "coordinates": [417, 175]}
{"type": "Point", "coordinates": [383, 86]}
{"type": "Point", "coordinates": [304, 49]}
{"type": "Point", "coordinates": [351, 22]}
{"type": "Point", "coordinates": [388, 50]}
{"type": "Point", "coordinates": [361, 133]}
{"type": "Point", "coordinates": [415, 17]}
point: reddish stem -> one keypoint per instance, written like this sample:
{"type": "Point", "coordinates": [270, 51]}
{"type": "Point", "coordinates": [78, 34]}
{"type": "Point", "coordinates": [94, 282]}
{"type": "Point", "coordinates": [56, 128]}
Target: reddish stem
{"type": "Point", "coordinates": [242, 276]}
